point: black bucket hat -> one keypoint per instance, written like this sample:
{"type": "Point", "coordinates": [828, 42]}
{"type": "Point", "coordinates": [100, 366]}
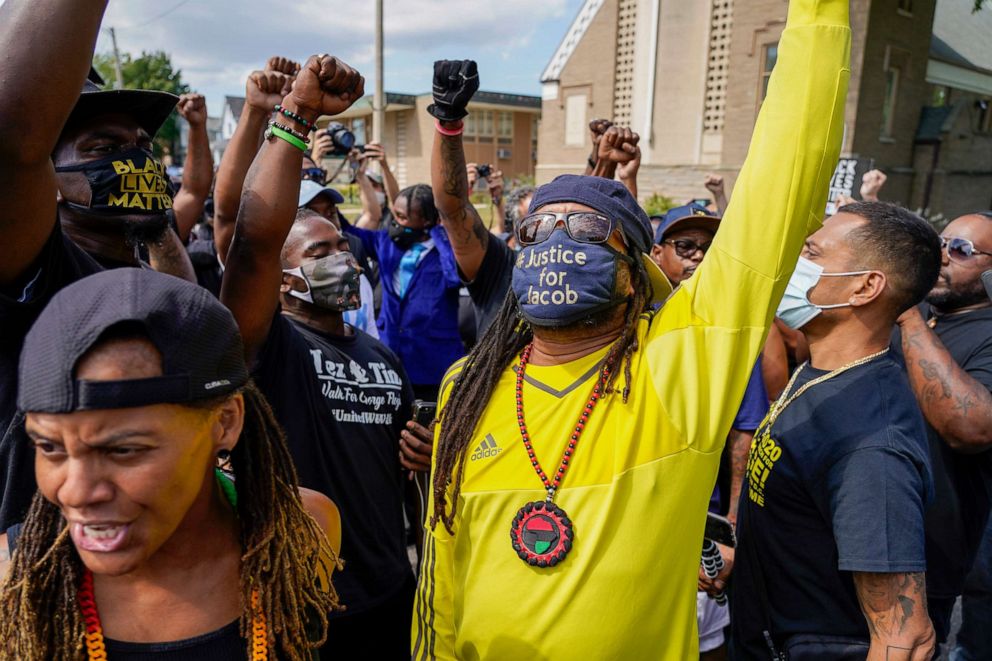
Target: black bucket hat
{"type": "Point", "coordinates": [149, 108]}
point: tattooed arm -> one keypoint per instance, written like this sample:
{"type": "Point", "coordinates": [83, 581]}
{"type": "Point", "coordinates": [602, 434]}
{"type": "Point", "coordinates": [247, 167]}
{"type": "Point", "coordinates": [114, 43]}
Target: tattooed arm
{"type": "Point", "coordinates": [958, 406]}
{"type": "Point", "coordinates": [449, 180]}
{"type": "Point", "coordinates": [895, 606]}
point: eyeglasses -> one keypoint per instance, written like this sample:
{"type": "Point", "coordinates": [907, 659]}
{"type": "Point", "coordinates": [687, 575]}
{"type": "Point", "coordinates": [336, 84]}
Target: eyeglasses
{"type": "Point", "coordinates": [686, 248]}
{"type": "Point", "coordinates": [582, 226]}
{"type": "Point", "coordinates": [314, 174]}
{"type": "Point", "coordinates": [960, 250]}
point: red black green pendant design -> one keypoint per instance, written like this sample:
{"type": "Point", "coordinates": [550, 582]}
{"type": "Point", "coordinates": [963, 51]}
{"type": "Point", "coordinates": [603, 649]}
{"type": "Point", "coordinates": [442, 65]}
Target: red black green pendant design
{"type": "Point", "coordinates": [541, 533]}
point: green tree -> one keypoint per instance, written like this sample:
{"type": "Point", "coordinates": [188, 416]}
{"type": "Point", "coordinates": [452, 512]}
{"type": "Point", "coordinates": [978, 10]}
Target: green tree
{"type": "Point", "coordinates": [150, 71]}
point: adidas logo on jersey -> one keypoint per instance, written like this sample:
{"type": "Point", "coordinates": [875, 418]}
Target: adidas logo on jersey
{"type": "Point", "coordinates": [487, 448]}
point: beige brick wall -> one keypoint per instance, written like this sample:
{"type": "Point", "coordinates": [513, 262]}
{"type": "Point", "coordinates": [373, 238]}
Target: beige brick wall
{"type": "Point", "coordinates": [589, 71]}
{"type": "Point", "coordinates": [896, 40]}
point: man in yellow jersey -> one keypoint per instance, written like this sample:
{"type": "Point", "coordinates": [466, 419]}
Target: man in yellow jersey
{"type": "Point", "coordinates": [578, 444]}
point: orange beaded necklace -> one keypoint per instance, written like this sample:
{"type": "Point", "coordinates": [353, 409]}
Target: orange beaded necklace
{"type": "Point", "coordinates": [97, 650]}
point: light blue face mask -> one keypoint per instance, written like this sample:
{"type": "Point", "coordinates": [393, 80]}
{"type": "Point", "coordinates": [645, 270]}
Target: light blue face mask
{"type": "Point", "coordinates": [795, 309]}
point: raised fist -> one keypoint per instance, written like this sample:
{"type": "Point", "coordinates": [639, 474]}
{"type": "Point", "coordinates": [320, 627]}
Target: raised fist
{"type": "Point", "coordinates": [618, 145]}
{"type": "Point", "coordinates": [455, 81]}
{"type": "Point", "coordinates": [326, 86]}
{"type": "Point", "coordinates": [286, 66]}
{"type": "Point", "coordinates": [598, 127]}
{"type": "Point", "coordinates": [282, 65]}
{"type": "Point", "coordinates": [714, 184]}
{"type": "Point", "coordinates": [264, 89]}
{"type": "Point", "coordinates": [193, 108]}
{"type": "Point", "coordinates": [871, 184]}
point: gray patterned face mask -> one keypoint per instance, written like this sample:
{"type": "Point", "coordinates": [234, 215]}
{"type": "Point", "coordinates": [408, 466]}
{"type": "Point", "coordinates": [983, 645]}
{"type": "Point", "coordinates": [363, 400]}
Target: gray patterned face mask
{"type": "Point", "coordinates": [332, 282]}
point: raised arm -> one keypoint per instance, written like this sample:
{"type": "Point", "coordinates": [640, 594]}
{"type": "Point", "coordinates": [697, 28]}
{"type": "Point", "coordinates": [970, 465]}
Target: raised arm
{"type": "Point", "coordinates": [263, 91]}
{"type": "Point", "coordinates": [796, 143]}
{"type": "Point", "coordinates": [253, 273]}
{"type": "Point", "coordinates": [47, 48]}
{"type": "Point", "coordinates": [198, 170]}
{"type": "Point", "coordinates": [895, 606]}
{"type": "Point", "coordinates": [494, 183]}
{"type": "Point", "coordinates": [714, 184]}
{"type": "Point", "coordinates": [371, 211]}
{"type": "Point", "coordinates": [378, 153]}
{"type": "Point", "coordinates": [454, 84]}
{"type": "Point", "coordinates": [955, 403]}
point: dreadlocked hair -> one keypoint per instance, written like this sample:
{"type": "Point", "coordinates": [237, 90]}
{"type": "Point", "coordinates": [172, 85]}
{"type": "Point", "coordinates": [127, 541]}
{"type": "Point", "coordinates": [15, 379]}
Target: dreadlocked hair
{"type": "Point", "coordinates": [284, 550]}
{"type": "Point", "coordinates": [495, 351]}
{"type": "Point", "coordinates": [424, 198]}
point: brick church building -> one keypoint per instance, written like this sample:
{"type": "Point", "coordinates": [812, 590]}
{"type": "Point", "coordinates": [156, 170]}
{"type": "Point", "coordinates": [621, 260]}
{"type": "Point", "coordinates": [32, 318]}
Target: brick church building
{"type": "Point", "coordinates": [689, 76]}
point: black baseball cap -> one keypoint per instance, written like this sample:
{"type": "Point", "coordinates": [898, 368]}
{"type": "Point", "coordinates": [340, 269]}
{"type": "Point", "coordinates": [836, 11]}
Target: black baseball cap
{"type": "Point", "coordinates": [149, 108]}
{"type": "Point", "coordinates": [202, 352]}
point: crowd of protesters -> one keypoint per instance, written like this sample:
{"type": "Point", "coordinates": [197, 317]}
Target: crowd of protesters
{"type": "Point", "coordinates": [239, 424]}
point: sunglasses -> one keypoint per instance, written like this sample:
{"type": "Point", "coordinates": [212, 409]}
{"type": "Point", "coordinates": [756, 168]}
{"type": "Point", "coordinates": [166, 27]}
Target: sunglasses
{"type": "Point", "coordinates": [686, 248]}
{"type": "Point", "coordinates": [314, 174]}
{"type": "Point", "coordinates": [960, 250]}
{"type": "Point", "coordinates": [582, 226]}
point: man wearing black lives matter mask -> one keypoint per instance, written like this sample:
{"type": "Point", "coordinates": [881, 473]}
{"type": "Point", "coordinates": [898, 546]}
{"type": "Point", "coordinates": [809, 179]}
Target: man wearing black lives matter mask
{"type": "Point", "coordinates": [342, 396]}
{"type": "Point", "coordinates": [81, 190]}
{"type": "Point", "coordinates": [609, 416]}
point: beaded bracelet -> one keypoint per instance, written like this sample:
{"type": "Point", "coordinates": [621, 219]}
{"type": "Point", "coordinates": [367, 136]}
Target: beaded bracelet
{"type": "Point", "coordinates": [288, 129]}
{"type": "Point", "coordinates": [449, 132]}
{"type": "Point", "coordinates": [293, 116]}
{"type": "Point", "coordinates": [276, 131]}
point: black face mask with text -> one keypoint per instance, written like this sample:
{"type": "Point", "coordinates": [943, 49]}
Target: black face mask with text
{"type": "Point", "coordinates": [128, 182]}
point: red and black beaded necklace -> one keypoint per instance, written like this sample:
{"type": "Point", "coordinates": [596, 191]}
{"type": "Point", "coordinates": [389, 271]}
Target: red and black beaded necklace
{"type": "Point", "coordinates": [541, 532]}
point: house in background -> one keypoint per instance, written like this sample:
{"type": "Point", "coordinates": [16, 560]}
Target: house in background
{"type": "Point", "coordinates": [690, 78]}
{"type": "Point", "coordinates": [500, 130]}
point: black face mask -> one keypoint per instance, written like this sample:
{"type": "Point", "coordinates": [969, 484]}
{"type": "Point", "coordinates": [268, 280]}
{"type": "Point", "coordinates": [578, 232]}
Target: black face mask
{"type": "Point", "coordinates": [404, 237]}
{"type": "Point", "coordinates": [128, 182]}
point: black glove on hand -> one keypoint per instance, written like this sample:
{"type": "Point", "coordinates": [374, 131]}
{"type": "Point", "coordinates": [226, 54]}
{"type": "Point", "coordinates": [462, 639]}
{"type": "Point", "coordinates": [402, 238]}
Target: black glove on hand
{"type": "Point", "coordinates": [455, 81]}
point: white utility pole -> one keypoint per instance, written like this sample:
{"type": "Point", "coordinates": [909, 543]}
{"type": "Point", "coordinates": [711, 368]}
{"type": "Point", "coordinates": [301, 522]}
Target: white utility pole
{"type": "Point", "coordinates": [379, 100]}
{"type": "Point", "coordinates": [118, 74]}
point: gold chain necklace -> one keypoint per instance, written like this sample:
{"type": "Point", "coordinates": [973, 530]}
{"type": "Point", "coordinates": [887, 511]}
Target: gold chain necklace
{"type": "Point", "coordinates": [785, 398]}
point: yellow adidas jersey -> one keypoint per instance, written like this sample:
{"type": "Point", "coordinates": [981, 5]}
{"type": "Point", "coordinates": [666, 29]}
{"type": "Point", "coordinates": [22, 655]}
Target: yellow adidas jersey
{"type": "Point", "coordinates": [642, 474]}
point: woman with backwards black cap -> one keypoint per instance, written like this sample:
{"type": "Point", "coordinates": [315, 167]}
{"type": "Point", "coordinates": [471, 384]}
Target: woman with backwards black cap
{"type": "Point", "coordinates": [168, 523]}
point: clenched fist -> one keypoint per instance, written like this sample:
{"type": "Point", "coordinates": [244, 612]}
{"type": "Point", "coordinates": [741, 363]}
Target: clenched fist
{"type": "Point", "coordinates": [455, 81]}
{"type": "Point", "coordinates": [871, 184]}
{"type": "Point", "coordinates": [618, 145]}
{"type": "Point", "coordinates": [193, 108]}
{"type": "Point", "coordinates": [265, 89]}
{"type": "Point", "coordinates": [326, 86]}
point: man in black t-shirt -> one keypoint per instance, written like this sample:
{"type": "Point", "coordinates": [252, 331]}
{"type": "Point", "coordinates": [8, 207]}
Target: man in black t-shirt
{"type": "Point", "coordinates": [341, 395]}
{"type": "Point", "coordinates": [949, 361]}
{"type": "Point", "coordinates": [70, 163]}
{"type": "Point", "coordinates": [830, 522]}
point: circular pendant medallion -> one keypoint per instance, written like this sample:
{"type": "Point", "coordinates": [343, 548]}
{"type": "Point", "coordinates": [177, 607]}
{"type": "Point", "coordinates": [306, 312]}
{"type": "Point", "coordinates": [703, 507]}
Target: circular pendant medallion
{"type": "Point", "coordinates": [541, 534]}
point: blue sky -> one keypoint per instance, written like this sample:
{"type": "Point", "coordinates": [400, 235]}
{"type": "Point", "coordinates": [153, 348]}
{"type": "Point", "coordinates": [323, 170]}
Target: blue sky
{"type": "Point", "coordinates": [217, 43]}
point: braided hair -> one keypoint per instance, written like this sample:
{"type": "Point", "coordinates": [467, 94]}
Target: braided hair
{"type": "Point", "coordinates": [495, 351]}
{"type": "Point", "coordinates": [421, 196]}
{"type": "Point", "coordinates": [283, 551]}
